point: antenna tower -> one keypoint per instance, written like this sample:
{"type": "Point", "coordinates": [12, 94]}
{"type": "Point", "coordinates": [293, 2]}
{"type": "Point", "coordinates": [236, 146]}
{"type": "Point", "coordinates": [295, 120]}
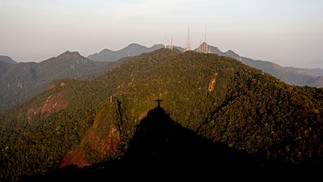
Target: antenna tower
{"type": "Point", "coordinates": [170, 45]}
{"type": "Point", "coordinates": [188, 45]}
{"type": "Point", "coordinates": [204, 46]}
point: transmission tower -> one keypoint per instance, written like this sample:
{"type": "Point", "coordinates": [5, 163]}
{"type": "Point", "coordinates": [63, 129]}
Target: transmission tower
{"type": "Point", "coordinates": [170, 45]}
{"type": "Point", "coordinates": [188, 44]}
{"type": "Point", "coordinates": [204, 47]}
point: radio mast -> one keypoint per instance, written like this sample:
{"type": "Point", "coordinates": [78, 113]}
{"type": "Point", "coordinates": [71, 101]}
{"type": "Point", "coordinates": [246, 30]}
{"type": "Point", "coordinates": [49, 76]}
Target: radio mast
{"type": "Point", "coordinates": [188, 44]}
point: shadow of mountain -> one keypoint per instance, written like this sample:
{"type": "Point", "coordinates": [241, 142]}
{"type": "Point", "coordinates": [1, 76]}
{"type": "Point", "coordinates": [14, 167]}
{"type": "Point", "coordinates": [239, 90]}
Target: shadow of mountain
{"type": "Point", "coordinates": [161, 149]}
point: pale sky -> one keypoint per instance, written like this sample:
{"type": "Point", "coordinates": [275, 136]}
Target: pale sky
{"type": "Point", "coordinates": [287, 32]}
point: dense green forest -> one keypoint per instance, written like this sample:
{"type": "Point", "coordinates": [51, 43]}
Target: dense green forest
{"type": "Point", "coordinates": [218, 98]}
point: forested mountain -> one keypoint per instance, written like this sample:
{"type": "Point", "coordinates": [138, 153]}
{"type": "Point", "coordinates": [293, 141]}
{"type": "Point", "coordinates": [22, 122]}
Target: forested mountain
{"type": "Point", "coordinates": [22, 81]}
{"type": "Point", "coordinates": [166, 114]}
{"type": "Point", "coordinates": [133, 49]}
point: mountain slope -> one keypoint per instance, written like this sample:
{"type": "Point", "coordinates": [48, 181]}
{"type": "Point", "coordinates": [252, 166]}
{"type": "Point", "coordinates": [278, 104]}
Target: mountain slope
{"type": "Point", "coordinates": [317, 82]}
{"type": "Point", "coordinates": [20, 82]}
{"type": "Point", "coordinates": [133, 49]}
{"type": "Point", "coordinates": [204, 96]}
{"type": "Point", "coordinates": [7, 59]}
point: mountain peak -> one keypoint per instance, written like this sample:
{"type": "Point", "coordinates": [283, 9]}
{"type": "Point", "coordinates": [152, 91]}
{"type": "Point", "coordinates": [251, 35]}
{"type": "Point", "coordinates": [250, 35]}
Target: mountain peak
{"type": "Point", "coordinates": [232, 54]}
{"type": "Point", "coordinates": [106, 51]}
{"type": "Point", "coordinates": [66, 56]}
{"type": "Point", "coordinates": [69, 55]}
{"type": "Point", "coordinates": [134, 47]}
{"type": "Point", "coordinates": [135, 44]}
{"type": "Point", "coordinates": [203, 48]}
{"type": "Point", "coordinates": [204, 43]}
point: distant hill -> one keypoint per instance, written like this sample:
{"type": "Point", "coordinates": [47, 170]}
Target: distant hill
{"type": "Point", "coordinates": [306, 71]}
{"type": "Point", "coordinates": [317, 82]}
{"type": "Point", "coordinates": [166, 114]}
{"type": "Point", "coordinates": [133, 49]}
{"type": "Point", "coordinates": [290, 75]}
{"type": "Point", "coordinates": [7, 59]}
{"type": "Point", "coordinates": [20, 82]}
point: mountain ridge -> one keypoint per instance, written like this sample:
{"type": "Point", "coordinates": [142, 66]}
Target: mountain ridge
{"type": "Point", "coordinates": [132, 49]}
{"type": "Point", "coordinates": [290, 75]}
{"type": "Point", "coordinates": [20, 82]}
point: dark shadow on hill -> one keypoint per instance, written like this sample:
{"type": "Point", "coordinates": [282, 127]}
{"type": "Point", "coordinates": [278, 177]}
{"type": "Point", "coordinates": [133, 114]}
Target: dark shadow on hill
{"type": "Point", "coordinates": [161, 149]}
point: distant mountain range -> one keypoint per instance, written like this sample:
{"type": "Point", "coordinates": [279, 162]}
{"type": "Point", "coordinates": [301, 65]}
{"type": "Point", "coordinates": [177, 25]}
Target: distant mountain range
{"type": "Point", "coordinates": [133, 49]}
{"type": "Point", "coordinates": [294, 76]}
{"type": "Point", "coordinates": [20, 82]}
{"type": "Point", "coordinates": [290, 75]}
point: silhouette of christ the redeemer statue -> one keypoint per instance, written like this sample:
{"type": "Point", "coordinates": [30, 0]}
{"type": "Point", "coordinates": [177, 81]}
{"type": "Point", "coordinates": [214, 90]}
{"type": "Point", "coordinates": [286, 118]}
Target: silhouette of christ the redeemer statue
{"type": "Point", "coordinates": [158, 102]}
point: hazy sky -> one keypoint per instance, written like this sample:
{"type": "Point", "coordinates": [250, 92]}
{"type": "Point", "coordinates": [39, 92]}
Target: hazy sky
{"type": "Point", "coordinates": [287, 32]}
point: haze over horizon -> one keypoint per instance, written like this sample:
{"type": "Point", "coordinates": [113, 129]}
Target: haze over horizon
{"type": "Point", "coordinates": [286, 32]}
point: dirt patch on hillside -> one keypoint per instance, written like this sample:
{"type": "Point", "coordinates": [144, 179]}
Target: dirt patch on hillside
{"type": "Point", "coordinates": [52, 104]}
{"type": "Point", "coordinates": [53, 85]}
{"type": "Point", "coordinates": [212, 82]}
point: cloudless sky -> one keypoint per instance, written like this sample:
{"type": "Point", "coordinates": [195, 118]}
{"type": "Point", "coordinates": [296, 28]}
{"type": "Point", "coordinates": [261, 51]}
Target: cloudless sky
{"type": "Point", "coordinates": [287, 32]}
